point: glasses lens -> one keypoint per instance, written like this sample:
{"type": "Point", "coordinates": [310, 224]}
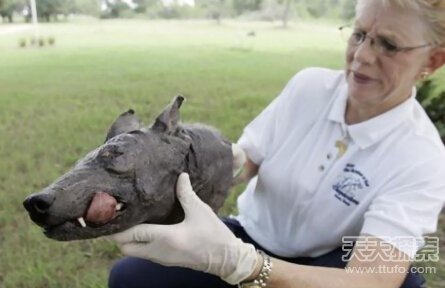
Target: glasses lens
{"type": "Point", "coordinates": [352, 36]}
{"type": "Point", "coordinates": [385, 46]}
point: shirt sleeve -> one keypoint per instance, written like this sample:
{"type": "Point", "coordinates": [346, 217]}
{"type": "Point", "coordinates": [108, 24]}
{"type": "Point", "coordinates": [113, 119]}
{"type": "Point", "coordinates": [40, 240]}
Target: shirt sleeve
{"type": "Point", "coordinates": [258, 135]}
{"type": "Point", "coordinates": [408, 207]}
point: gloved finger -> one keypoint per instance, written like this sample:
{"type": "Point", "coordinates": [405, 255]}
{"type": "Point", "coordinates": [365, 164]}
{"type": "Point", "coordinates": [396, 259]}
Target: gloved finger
{"type": "Point", "coordinates": [142, 233]}
{"type": "Point", "coordinates": [184, 190]}
{"type": "Point", "coordinates": [134, 249]}
{"type": "Point", "coordinates": [190, 202]}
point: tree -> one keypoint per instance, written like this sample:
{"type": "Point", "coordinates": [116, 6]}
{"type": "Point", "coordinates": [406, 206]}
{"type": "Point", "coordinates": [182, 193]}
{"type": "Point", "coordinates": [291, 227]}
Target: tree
{"type": "Point", "coordinates": [115, 8]}
{"type": "Point", "coordinates": [144, 5]}
{"type": "Point", "coordinates": [8, 7]}
{"type": "Point", "coordinates": [434, 104]}
{"type": "Point", "coordinates": [215, 10]}
{"type": "Point", "coordinates": [87, 7]}
{"type": "Point", "coordinates": [286, 11]}
{"type": "Point", "coordinates": [49, 9]}
{"type": "Point", "coordinates": [348, 9]}
{"type": "Point", "coordinates": [5, 10]}
{"type": "Point", "coordinates": [242, 6]}
{"type": "Point", "coordinates": [317, 8]}
{"type": "Point", "coordinates": [66, 7]}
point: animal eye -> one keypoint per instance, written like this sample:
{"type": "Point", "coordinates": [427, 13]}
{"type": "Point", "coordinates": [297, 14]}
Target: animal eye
{"type": "Point", "coordinates": [136, 132]}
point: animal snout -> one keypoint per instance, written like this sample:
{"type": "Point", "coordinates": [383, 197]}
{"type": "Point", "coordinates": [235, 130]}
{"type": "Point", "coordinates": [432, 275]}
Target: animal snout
{"type": "Point", "coordinates": [38, 204]}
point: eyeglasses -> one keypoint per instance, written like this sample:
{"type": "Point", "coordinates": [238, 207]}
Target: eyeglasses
{"type": "Point", "coordinates": [380, 44]}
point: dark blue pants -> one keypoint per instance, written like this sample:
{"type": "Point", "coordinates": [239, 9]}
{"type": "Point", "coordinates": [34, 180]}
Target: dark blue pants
{"type": "Point", "coordinates": [139, 273]}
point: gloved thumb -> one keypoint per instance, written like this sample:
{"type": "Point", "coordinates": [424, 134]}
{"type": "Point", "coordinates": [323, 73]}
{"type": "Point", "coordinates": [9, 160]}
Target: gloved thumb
{"type": "Point", "coordinates": [187, 197]}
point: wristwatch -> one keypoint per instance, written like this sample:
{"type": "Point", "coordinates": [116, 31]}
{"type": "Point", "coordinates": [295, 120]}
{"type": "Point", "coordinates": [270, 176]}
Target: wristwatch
{"type": "Point", "coordinates": [261, 280]}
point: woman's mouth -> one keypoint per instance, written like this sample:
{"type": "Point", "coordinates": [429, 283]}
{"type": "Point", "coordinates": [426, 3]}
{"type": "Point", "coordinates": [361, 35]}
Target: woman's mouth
{"type": "Point", "coordinates": [361, 79]}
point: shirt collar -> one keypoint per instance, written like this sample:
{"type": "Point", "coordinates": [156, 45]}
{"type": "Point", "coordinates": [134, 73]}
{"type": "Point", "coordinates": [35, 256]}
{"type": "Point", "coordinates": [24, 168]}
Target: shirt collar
{"type": "Point", "coordinates": [366, 133]}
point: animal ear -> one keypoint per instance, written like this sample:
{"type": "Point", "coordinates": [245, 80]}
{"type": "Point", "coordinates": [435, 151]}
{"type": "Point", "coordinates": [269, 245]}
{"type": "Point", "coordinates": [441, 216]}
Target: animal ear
{"type": "Point", "coordinates": [167, 121]}
{"type": "Point", "coordinates": [126, 122]}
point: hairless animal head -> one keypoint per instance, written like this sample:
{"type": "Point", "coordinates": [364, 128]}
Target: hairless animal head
{"type": "Point", "coordinates": [131, 178]}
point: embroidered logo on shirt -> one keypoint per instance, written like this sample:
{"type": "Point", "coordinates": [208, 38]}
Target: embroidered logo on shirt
{"type": "Point", "coordinates": [348, 184]}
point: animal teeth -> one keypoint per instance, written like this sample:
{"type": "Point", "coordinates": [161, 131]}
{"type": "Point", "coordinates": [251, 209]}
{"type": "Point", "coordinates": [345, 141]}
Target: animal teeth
{"type": "Point", "coordinates": [82, 222]}
{"type": "Point", "coordinates": [119, 206]}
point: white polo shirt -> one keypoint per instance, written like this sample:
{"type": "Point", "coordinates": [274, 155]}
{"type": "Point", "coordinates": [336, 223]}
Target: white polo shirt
{"type": "Point", "coordinates": [390, 182]}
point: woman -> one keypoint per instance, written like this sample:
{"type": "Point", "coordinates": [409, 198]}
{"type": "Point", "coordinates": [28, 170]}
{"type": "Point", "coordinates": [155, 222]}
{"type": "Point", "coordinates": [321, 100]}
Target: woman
{"type": "Point", "coordinates": [338, 153]}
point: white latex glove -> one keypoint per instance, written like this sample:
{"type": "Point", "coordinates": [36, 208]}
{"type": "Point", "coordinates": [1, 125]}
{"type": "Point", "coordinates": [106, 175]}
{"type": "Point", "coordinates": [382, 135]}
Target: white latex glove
{"type": "Point", "coordinates": [201, 242]}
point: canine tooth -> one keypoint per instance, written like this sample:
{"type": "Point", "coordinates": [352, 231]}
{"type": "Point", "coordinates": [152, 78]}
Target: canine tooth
{"type": "Point", "coordinates": [119, 206]}
{"type": "Point", "coordinates": [82, 222]}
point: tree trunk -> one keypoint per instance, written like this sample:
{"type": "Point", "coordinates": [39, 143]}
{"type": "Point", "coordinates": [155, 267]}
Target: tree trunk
{"type": "Point", "coordinates": [219, 11]}
{"type": "Point", "coordinates": [286, 13]}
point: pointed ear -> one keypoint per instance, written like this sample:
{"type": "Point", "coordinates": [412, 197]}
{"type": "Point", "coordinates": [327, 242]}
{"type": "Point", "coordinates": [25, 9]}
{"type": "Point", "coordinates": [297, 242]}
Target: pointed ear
{"type": "Point", "coordinates": [167, 121]}
{"type": "Point", "coordinates": [126, 122]}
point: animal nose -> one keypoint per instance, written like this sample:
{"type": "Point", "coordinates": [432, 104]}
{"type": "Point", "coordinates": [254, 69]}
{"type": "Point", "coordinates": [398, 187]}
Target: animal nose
{"type": "Point", "coordinates": [38, 204]}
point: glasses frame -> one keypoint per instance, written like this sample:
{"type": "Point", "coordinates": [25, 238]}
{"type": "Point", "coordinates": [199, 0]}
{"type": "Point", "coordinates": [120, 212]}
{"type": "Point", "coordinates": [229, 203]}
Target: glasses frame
{"type": "Point", "coordinates": [373, 41]}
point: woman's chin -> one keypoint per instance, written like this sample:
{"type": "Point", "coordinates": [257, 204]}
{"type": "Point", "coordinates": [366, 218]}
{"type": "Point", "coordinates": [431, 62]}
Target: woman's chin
{"type": "Point", "coordinates": [364, 98]}
{"type": "Point", "coordinates": [362, 92]}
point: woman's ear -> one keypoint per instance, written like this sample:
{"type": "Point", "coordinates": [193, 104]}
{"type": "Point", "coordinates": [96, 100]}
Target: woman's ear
{"type": "Point", "coordinates": [436, 59]}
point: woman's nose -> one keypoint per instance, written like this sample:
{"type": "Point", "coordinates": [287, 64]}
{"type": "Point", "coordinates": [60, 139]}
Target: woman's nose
{"type": "Point", "coordinates": [365, 52]}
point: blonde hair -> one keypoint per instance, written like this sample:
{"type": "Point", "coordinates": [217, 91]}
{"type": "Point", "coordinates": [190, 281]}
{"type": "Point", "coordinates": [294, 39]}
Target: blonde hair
{"type": "Point", "coordinates": [432, 11]}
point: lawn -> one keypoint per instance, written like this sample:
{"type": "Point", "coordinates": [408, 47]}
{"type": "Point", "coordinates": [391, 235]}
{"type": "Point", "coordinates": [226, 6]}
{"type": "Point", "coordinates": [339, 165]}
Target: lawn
{"type": "Point", "coordinates": [56, 104]}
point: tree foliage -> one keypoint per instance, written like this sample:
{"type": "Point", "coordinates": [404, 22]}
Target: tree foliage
{"type": "Point", "coordinates": [241, 6]}
{"type": "Point", "coordinates": [434, 104]}
{"type": "Point", "coordinates": [8, 7]}
{"type": "Point", "coordinates": [87, 7]}
{"type": "Point", "coordinates": [49, 9]}
{"type": "Point", "coordinates": [215, 9]}
{"type": "Point", "coordinates": [115, 9]}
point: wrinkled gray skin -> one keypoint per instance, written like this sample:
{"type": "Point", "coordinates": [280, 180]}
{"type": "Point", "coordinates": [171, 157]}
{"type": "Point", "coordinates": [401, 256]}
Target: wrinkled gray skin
{"type": "Point", "coordinates": [139, 167]}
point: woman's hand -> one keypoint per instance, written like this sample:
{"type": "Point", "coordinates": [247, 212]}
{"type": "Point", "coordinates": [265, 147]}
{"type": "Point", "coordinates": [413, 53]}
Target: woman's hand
{"type": "Point", "coordinates": [243, 168]}
{"type": "Point", "coordinates": [201, 242]}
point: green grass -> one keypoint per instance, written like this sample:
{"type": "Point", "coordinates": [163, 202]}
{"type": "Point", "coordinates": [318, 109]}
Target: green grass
{"type": "Point", "coordinates": [56, 104]}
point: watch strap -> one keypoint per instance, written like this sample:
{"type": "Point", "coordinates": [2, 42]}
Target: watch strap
{"type": "Point", "coordinates": [261, 280]}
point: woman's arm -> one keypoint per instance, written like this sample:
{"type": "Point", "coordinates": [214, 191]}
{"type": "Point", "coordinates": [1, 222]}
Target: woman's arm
{"type": "Point", "coordinates": [388, 270]}
{"type": "Point", "coordinates": [244, 168]}
{"type": "Point", "coordinates": [249, 171]}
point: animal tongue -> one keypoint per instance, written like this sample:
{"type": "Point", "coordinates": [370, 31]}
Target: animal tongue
{"type": "Point", "coordinates": [102, 208]}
